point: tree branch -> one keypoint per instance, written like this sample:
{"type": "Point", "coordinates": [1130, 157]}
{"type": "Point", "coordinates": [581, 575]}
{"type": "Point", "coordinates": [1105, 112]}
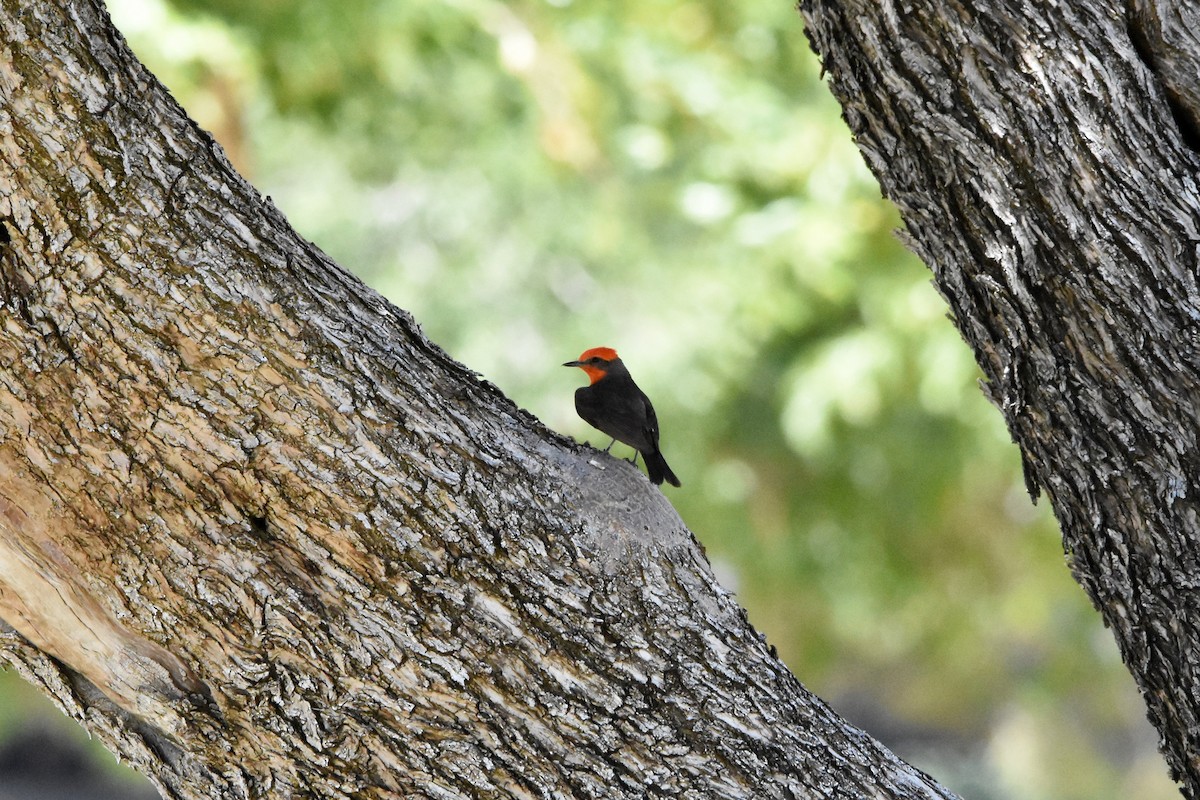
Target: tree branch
{"type": "Point", "coordinates": [1044, 179]}
{"type": "Point", "coordinates": [266, 540]}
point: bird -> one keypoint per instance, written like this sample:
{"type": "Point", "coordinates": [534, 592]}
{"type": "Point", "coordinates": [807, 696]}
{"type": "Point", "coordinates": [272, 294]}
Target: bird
{"type": "Point", "coordinates": [613, 404]}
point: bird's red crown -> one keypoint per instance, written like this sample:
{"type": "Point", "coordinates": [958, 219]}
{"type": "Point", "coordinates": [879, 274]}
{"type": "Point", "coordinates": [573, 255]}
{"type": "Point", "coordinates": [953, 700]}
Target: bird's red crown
{"type": "Point", "coordinates": [606, 353]}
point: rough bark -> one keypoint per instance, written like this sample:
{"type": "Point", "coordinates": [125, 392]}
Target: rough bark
{"type": "Point", "coordinates": [1043, 158]}
{"type": "Point", "coordinates": [265, 540]}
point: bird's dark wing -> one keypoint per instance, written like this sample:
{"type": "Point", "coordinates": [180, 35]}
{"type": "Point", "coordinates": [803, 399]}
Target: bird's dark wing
{"type": "Point", "coordinates": [651, 422]}
{"type": "Point", "coordinates": [622, 413]}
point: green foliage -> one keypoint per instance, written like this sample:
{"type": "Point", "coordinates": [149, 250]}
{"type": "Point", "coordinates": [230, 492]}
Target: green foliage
{"type": "Point", "coordinates": [672, 179]}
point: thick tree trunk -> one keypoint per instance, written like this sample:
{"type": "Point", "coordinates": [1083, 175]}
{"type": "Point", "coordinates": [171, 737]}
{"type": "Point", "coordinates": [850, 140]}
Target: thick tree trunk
{"type": "Point", "coordinates": [1043, 156]}
{"type": "Point", "coordinates": [265, 540]}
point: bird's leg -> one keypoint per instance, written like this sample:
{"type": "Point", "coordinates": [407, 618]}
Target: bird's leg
{"type": "Point", "coordinates": [631, 460]}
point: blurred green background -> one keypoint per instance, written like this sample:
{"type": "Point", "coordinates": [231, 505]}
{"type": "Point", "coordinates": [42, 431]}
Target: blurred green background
{"type": "Point", "coordinates": [673, 179]}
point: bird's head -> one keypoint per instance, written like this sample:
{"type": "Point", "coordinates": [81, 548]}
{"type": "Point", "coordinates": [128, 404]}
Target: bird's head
{"type": "Point", "coordinates": [595, 362]}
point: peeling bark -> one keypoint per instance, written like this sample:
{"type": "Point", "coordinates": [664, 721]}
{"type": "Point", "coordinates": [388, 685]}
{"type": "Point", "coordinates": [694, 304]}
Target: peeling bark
{"type": "Point", "coordinates": [265, 540]}
{"type": "Point", "coordinates": [1043, 156]}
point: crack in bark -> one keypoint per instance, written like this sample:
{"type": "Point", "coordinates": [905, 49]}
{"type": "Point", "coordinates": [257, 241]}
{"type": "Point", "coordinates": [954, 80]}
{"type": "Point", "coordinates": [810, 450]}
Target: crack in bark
{"type": "Point", "coordinates": [1172, 66]}
{"type": "Point", "coordinates": [14, 284]}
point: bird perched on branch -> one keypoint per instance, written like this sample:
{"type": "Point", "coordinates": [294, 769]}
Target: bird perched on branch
{"type": "Point", "coordinates": [615, 405]}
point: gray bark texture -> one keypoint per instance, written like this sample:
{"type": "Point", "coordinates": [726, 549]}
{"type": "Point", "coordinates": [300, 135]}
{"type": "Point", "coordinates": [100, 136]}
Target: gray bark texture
{"type": "Point", "coordinates": [265, 540]}
{"type": "Point", "coordinates": [1044, 158]}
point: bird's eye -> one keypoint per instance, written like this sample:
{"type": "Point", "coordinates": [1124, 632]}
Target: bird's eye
{"type": "Point", "coordinates": [595, 360]}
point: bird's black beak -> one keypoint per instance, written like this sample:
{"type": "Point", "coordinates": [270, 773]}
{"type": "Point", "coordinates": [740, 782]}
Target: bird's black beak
{"type": "Point", "coordinates": [573, 364]}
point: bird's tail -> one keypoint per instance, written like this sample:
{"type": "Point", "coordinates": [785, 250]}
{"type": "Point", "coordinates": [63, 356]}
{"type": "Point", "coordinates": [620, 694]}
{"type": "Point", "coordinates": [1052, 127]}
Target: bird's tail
{"type": "Point", "coordinates": [656, 465]}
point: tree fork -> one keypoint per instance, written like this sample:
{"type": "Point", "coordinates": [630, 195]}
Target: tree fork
{"type": "Point", "coordinates": [264, 539]}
